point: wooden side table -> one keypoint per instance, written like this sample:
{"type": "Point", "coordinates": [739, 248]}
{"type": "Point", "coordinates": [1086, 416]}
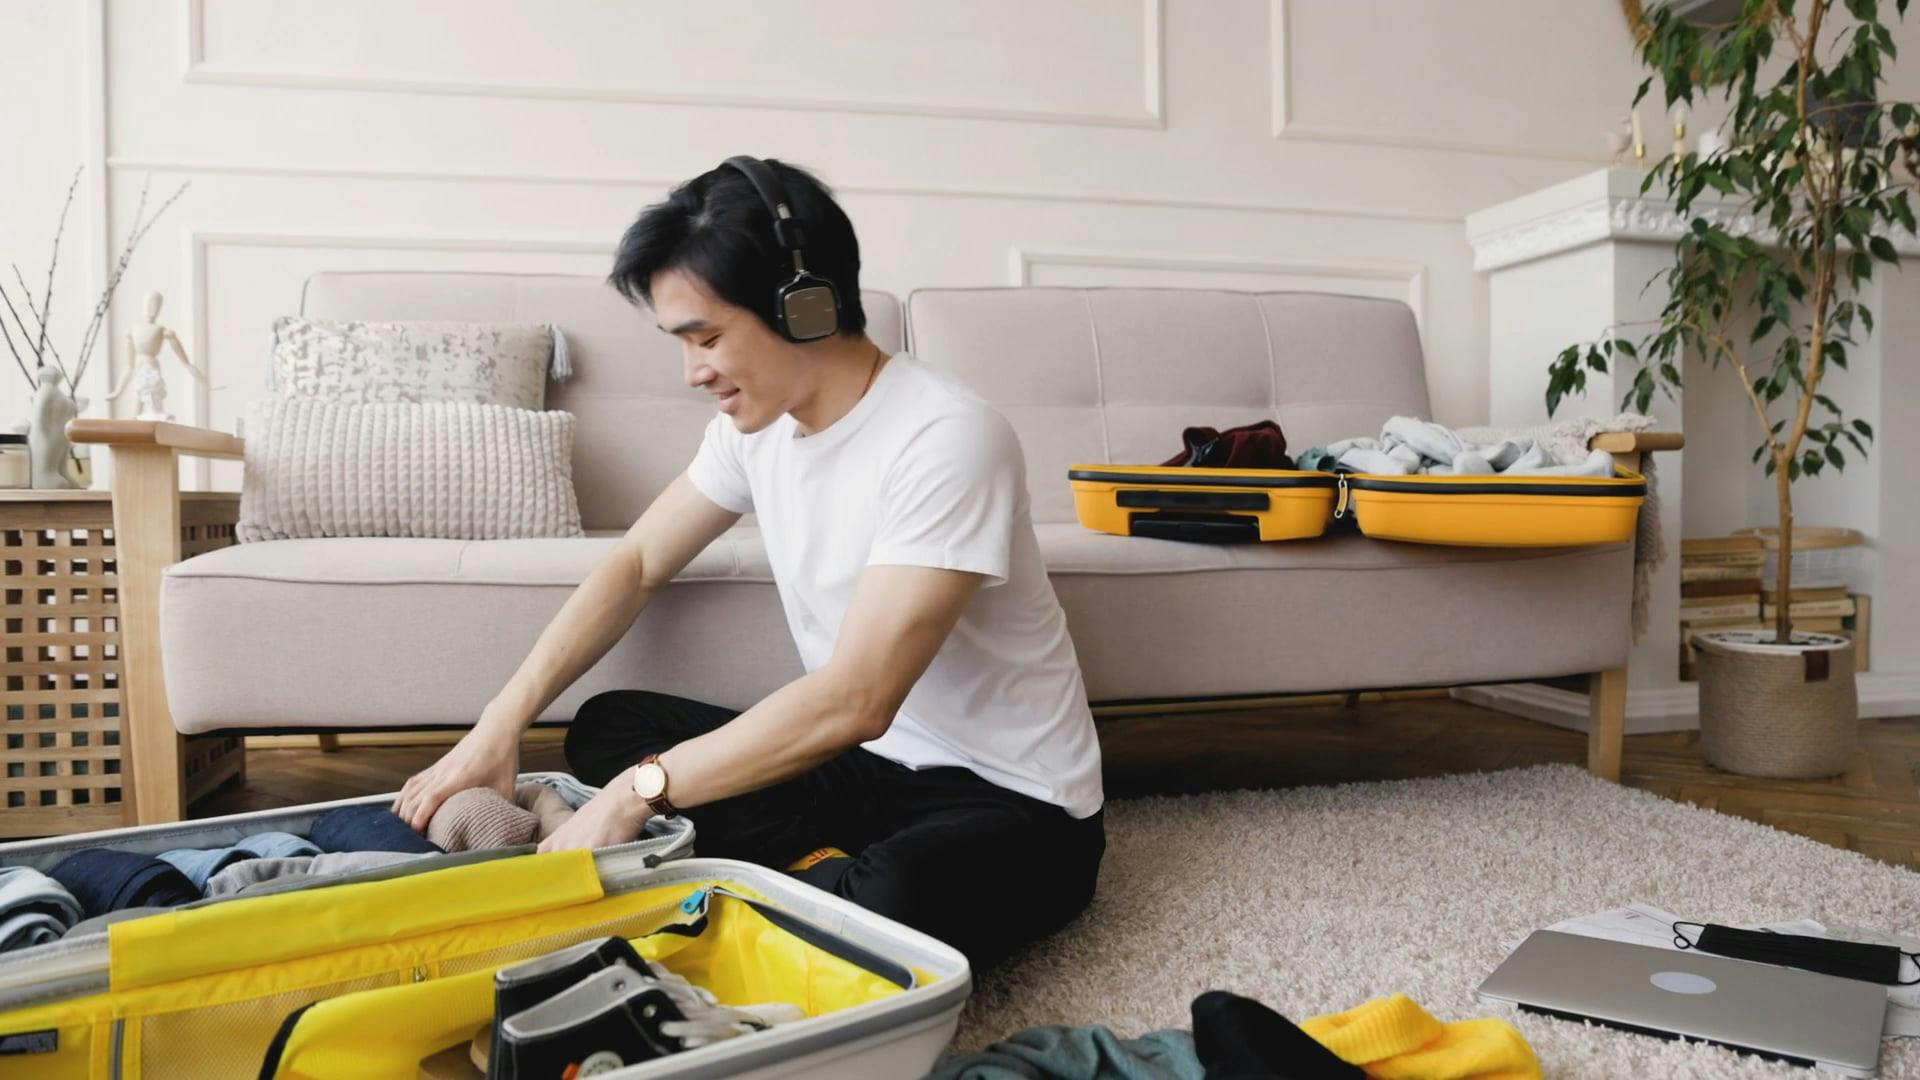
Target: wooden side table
{"type": "Point", "coordinates": [62, 689]}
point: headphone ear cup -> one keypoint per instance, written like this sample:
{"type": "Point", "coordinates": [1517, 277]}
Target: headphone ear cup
{"type": "Point", "coordinates": [808, 309]}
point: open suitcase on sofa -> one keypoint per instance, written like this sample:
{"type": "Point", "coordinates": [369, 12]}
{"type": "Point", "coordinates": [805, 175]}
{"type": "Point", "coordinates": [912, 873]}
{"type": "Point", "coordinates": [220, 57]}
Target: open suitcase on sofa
{"type": "Point", "coordinates": [371, 974]}
{"type": "Point", "coordinates": [1230, 505]}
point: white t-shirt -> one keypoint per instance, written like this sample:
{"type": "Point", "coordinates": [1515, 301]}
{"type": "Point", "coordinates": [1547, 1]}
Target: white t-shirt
{"type": "Point", "coordinates": [922, 472]}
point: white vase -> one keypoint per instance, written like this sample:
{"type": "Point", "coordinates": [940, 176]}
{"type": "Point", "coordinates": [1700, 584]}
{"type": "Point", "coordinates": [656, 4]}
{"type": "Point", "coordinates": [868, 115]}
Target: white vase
{"type": "Point", "coordinates": [47, 439]}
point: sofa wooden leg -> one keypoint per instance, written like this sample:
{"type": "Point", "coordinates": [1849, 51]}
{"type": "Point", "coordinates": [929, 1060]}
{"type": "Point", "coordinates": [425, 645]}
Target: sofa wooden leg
{"type": "Point", "coordinates": [329, 743]}
{"type": "Point", "coordinates": [146, 537]}
{"type": "Point", "coordinates": [1606, 722]}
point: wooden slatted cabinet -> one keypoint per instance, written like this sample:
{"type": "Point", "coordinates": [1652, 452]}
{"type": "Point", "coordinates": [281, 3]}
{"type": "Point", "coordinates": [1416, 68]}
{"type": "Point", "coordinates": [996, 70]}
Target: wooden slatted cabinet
{"type": "Point", "coordinates": [63, 683]}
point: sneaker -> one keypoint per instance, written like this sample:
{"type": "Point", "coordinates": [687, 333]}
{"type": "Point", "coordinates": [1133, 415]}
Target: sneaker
{"type": "Point", "coordinates": [609, 1020]}
{"type": "Point", "coordinates": [522, 986]}
{"type": "Point", "coordinates": [618, 1017]}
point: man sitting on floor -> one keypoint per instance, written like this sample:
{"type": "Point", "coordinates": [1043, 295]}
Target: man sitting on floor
{"type": "Point", "coordinates": [937, 763]}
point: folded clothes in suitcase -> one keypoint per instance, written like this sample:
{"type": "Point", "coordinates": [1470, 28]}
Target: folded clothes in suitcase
{"type": "Point", "coordinates": [371, 974]}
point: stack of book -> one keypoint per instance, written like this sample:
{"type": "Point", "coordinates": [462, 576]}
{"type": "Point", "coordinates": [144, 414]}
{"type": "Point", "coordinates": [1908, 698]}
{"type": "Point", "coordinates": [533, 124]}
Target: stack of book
{"type": "Point", "coordinates": [1721, 588]}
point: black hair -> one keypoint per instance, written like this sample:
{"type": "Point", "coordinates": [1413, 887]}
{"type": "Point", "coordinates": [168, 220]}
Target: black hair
{"type": "Point", "coordinates": [716, 228]}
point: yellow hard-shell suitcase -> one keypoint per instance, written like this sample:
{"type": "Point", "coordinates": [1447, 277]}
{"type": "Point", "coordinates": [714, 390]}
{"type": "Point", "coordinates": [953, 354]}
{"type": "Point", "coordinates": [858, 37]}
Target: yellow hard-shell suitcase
{"type": "Point", "coordinates": [1173, 502]}
{"type": "Point", "coordinates": [1494, 511]}
{"type": "Point", "coordinates": [1234, 505]}
{"type": "Point", "coordinates": [369, 975]}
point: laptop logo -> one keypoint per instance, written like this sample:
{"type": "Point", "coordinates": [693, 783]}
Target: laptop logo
{"type": "Point", "coordinates": [1684, 982]}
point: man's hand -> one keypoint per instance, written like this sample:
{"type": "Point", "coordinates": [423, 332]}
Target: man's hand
{"type": "Point", "coordinates": [487, 756]}
{"type": "Point", "coordinates": [612, 817]}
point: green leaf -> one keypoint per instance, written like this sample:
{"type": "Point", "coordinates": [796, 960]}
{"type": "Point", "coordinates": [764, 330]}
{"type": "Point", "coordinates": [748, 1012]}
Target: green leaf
{"type": "Point", "coordinates": [1882, 249]}
{"type": "Point", "coordinates": [1625, 347]}
{"type": "Point", "coordinates": [1757, 451]}
{"type": "Point", "coordinates": [1645, 84]}
{"type": "Point", "coordinates": [1834, 455]}
{"type": "Point", "coordinates": [1863, 428]}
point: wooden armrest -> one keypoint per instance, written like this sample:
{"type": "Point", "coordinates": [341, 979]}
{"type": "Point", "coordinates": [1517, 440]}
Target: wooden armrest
{"type": "Point", "coordinates": [199, 441]}
{"type": "Point", "coordinates": [1636, 442]}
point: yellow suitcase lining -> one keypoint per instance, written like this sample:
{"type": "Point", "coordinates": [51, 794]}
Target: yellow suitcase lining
{"type": "Point", "coordinates": [1175, 502]}
{"type": "Point", "coordinates": [1495, 511]}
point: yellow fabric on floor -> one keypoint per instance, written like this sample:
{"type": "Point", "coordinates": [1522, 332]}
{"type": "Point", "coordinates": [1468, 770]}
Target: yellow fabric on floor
{"type": "Point", "coordinates": [1394, 1039]}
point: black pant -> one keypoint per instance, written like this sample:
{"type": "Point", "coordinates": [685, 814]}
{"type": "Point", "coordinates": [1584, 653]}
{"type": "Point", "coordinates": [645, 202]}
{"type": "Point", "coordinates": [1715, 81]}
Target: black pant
{"type": "Point", "coordinates": [979, 867]}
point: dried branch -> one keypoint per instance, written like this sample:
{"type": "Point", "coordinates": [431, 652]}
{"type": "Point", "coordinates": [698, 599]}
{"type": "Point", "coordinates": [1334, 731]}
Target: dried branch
{"type": "Point", "coordinates": [141, 225]}
{"type": "Point", "coordinates": [46, 306]}
{"type": "Point", "coordinates": [39, 317]}
{"type": "Point", "coordinates": [15, 350]}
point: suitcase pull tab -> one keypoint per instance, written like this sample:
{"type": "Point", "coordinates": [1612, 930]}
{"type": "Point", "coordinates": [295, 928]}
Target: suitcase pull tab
{"type": "Point", "coordinates": [1340, 506]}
{"type": "Point", "coordinates": [695, 903]}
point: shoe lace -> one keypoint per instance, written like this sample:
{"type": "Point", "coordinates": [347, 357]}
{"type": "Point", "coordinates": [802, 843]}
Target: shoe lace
{"type": "Point", "coordinates": [708, 1021]}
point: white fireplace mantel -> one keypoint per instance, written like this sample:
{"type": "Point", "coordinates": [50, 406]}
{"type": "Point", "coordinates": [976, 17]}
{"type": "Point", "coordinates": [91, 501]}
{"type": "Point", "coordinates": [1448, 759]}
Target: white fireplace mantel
{"type": "Point", "coordinates": [1601, 206]}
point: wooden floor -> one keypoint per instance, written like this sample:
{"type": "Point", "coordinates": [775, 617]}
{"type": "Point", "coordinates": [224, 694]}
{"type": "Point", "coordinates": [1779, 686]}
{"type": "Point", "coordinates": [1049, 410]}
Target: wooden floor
{"type": "Point", "coordinates": [1874, 808]}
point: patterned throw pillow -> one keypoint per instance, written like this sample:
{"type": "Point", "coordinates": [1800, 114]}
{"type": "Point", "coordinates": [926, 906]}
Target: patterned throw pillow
{"type": "Point", "coordinates": [367, 362]}
{"type": "Point", "coordinates": [453, 470]}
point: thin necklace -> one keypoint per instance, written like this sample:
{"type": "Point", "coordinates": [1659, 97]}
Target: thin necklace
{"type": "Point", "coordinates": [878, 352]}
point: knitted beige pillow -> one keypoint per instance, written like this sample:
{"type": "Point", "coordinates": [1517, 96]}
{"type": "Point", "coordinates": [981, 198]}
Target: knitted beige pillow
{"type": "Point", "coordinates": [453, 470]}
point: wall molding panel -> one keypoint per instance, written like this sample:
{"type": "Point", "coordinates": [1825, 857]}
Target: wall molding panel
{"type": "Point", "coordinates": [1285, 126]}
{"type": "Point", "coordinates": [196, 68]}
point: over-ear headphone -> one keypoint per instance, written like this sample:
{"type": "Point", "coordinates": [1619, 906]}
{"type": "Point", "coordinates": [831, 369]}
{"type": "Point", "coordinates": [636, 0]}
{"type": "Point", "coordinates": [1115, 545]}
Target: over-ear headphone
{"type": "Point", "coordinates": [806, 308]}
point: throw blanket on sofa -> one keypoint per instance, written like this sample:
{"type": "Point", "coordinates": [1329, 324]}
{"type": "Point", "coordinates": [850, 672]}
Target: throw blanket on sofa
{"type": "Point", "coordinates": [1407, 445]}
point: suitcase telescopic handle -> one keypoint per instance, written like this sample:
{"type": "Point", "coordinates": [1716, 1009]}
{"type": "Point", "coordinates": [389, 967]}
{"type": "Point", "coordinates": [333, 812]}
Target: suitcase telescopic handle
{"type": "Point", "coordinates": [1159, 499]}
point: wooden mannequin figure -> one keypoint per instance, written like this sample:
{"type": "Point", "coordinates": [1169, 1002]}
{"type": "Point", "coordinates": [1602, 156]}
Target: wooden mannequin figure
{"type": "Point", "coordinates": [143, 344]}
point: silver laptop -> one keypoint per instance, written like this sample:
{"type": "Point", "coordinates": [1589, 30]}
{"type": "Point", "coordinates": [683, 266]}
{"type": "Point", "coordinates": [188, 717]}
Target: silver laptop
{"type": "Point", "coordinates": [1798, 1016]}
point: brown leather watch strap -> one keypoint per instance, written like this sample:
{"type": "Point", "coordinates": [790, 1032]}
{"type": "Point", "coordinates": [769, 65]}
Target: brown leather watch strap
{"type": "Point", "coordinates": [660, 804]}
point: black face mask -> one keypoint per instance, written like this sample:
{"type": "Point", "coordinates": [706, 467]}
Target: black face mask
{"type": "Point", "coordinates": [1846, 959]}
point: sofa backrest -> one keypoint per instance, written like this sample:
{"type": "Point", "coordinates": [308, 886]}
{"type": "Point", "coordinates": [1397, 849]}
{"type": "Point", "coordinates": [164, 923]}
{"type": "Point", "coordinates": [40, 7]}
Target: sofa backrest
{"type": "Point", "coordinates": [1112, 375]}
{"type": "Point", "coordinates": [639, 422]}
{"type": "Point", "coordinates": [1084, 374]}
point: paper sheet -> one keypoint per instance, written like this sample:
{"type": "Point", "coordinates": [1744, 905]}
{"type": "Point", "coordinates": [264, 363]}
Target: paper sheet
{"type": "Point", "coordinates": [1644, 924]}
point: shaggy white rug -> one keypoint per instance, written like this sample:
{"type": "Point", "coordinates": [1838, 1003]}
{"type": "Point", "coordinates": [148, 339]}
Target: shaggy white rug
{"type": "Point", "coordinates": [1313, 900]}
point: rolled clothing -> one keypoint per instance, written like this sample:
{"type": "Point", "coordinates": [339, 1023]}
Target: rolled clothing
{"type": "Point", "coordinates": [34, 908]}
{"type": "Point", "coordinates": [1407, 445]}
{"type": "Point", "coordinates": [1260, 445]}
{"type": "Point", "coordinates": [201, 864]}
{"type": "Point", "coordinates": [366, 828]}
{"type": "Point", "coordinates": [242, 876]}
{"type": "Point", "coordinates": [105, 880]}
{"type": "Point", "coordinates": [480, 818]}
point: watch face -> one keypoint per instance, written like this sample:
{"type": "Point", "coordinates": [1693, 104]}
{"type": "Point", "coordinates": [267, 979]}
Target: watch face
{"type": "Point", "coordinates": [651, 781]}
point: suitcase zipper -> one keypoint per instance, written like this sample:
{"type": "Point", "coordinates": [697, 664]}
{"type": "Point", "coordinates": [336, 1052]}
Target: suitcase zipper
{"type": "Point", "coordinates": [1340, 503]}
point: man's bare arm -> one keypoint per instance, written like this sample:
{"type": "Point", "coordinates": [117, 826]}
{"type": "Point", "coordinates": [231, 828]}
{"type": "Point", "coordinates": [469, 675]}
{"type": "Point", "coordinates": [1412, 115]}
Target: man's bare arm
{"type": "Point", "coordinates": [896, 622]}
{"type": "Point", "coordinates": [668, 535]}
{"type": "Point", "coordinates": [674, 528]}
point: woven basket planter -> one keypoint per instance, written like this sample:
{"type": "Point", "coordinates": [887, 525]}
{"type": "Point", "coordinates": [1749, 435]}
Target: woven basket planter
{"type": "Point", "coordinates": [1777, 710]}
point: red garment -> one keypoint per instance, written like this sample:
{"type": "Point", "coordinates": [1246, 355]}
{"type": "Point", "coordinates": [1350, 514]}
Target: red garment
{"type": "Point", "coordinates": [1253, 446]}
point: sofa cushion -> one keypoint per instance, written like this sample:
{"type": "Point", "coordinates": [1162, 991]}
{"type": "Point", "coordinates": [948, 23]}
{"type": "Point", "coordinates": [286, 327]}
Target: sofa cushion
{"type": "Point", "coordinates": [396, 633]}
{"type": "Point", "coordinates": [1154, 619]}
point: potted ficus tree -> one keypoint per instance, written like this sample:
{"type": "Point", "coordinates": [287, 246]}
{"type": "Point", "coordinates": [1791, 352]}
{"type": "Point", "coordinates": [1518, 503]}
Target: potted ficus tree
{"type": "Point", "coordinates": [1767, 282]}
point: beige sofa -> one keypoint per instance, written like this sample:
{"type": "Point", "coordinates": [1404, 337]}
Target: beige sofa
{"type": "Point", "coordinates": [354, 634]}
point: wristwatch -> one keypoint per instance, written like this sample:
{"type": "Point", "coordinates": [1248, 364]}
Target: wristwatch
{"type": "Point", "coordinates": [650, 783]}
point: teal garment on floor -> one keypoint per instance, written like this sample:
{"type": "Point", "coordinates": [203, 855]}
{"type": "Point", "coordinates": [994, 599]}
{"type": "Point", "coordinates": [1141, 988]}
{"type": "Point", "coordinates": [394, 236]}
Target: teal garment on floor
{"type": "Point", "coordinates": [1083, 1053]}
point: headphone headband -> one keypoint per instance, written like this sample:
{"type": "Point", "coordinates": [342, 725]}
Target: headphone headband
{"type": "Point", "coordinates": [766, 182]}
{"type": "Point", "coordinates": [806, 308]}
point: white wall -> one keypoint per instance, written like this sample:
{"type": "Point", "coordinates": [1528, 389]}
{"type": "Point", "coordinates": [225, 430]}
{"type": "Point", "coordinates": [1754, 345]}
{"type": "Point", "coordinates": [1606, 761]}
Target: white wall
{"type": "Point", "coordinates": [41, 45]}
{"type": "Point", "coordinates": [1333, 144]}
